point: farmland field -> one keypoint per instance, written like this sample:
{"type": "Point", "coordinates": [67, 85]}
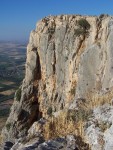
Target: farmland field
{"type": "Point", "coordinates": [12, 69]}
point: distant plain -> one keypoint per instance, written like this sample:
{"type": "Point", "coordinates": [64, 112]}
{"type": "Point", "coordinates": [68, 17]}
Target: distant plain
{"type": "Point", "coordinates": [12, 70]}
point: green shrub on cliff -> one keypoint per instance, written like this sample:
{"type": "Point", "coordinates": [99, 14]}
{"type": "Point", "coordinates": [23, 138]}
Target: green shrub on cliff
{"type": "Point", "coordinates": [79, 32]}
{"type": "Point", "coordinates": [79, 115]}
{"type": "Point", "coordinates": [18, 94]}
{"type": "Point", "coordinates": [8, 125]}
{"type": "Point", "coordinates": [84, 26]}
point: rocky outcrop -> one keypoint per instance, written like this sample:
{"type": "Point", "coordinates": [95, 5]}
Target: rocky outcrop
{"type": "Point", "coordinates": [98, 130]}
{"type": "Point", "coordinates": [68, 143]}
{"type": "Point", "coordinates": [63, 71]}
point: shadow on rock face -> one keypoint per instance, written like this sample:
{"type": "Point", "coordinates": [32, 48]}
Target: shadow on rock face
{"type": "Point", "coordinates": [8, 145]}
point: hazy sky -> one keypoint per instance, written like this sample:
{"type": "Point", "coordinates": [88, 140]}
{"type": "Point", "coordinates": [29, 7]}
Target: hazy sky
{"type": "Point", "coordinates": [19, 17]}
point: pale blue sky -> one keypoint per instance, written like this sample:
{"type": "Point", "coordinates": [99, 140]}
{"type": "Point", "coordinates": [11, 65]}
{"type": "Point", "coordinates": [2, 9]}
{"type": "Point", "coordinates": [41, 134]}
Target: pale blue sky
{"type": "Point", "coordinates": [19, 17]}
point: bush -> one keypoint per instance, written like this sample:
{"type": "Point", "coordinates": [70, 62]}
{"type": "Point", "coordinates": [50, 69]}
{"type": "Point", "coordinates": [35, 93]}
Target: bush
{"type": "Point", "coordinates": [79, 115]}
{"type": "Point", "coordinates": [18, 94]}
{"type": "Point", "coordinates": [104, 126]}
{"type": "Point", "coordinates": [103, 15]}
{"type": "Point", "coordinates": [49, 111]}
{"type": "Point", "coordinates": [84, 26]}
{"type": "Point", "coordinates": [79, 32]}
{"type": "Point", "coordinates": [83, 23]}
{"type": "Point", "coordinates": [8, 125]}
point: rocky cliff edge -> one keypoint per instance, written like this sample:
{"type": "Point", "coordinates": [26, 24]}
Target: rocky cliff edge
{"type": "Point", "coordinates": [68, 83]}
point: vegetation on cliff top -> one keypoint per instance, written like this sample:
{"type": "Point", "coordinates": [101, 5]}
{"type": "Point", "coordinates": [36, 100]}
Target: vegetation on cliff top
{"type": "Point", "coordinates": [83, 27]}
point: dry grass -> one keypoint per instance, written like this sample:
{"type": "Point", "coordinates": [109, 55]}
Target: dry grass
{"type": "Point", "coordinates": [94, 100]}
{"type": "Point", "coordinates": [1, 140]}
{"type": "Point", "coordinates": [62, 126]}
{"type": "Point", "coordinates": [73, 122]}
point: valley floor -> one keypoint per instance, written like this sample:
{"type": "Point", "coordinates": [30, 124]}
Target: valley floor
{"type": "Point", "coordinates": [12, 61]}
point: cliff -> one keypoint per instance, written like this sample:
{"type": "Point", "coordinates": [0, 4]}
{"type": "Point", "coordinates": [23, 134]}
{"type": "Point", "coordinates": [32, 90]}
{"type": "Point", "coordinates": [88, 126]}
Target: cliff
{"type": "Point", "coordinates": [68, 82]}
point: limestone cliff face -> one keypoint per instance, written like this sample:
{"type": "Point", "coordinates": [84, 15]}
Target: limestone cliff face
{"type": "Point", "coordinates": [62, 67]}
